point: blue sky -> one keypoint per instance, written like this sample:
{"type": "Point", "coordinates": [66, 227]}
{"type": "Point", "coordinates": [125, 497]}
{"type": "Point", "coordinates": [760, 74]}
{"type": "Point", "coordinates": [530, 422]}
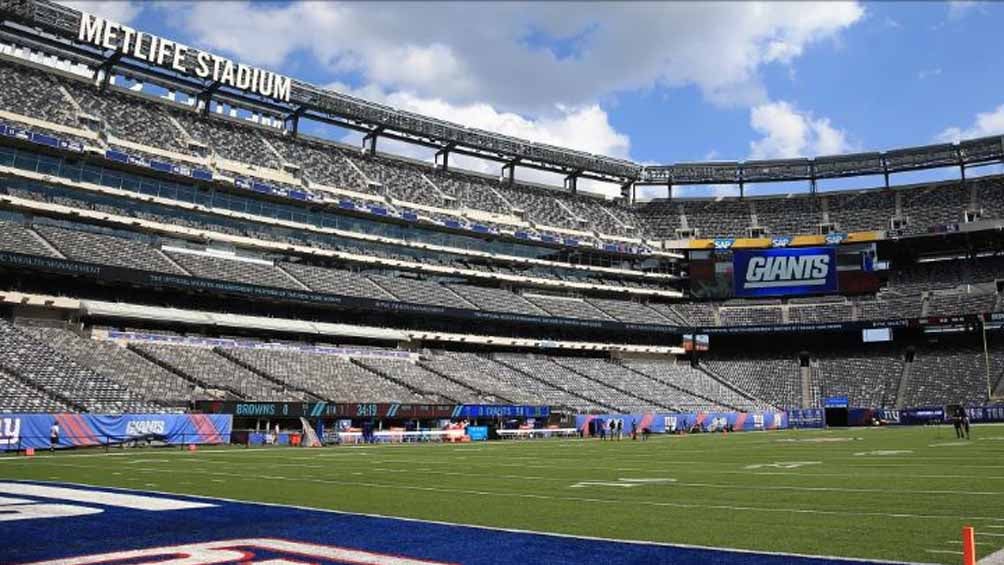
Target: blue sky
{"type": "Point", "coordinates": [657, 83]}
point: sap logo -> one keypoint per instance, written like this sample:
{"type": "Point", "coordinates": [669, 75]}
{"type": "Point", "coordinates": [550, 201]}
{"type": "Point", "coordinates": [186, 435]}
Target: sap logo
{"type": "Point", "coordinates": [145, 428]}
{"type": "Point", "coordinates": [835, 238]}
{"type": "Point", "coordinates": [243, 552]}
{"type": "Point", "coordinates": [780, 241]}
{"type": "Point", "coordinates": [10, 431]}
{"type": "Point", "coordinates": [766, 272]}
{"type": "Point", "coordinates": [724, 243]}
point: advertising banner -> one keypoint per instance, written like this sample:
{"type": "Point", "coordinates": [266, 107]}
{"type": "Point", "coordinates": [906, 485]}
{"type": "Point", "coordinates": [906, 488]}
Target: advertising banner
{"type": "Point", "coordinates": [785, 271]}
{"type": "Point", "coordinates": [807, 418]}
{"type": "Point", "coordinates": [20, 431]}
{"type": "Point", "coordinates": [475, 411]}
{"type": "Point", "coordinates": [986, 413]}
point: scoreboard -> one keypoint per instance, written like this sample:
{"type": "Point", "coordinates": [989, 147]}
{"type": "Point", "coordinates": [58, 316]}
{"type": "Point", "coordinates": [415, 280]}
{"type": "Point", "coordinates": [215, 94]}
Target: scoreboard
{"type": "Point", "coordinates": [327, 410]}
{"type": "Point", "coordinates": [384, 410]}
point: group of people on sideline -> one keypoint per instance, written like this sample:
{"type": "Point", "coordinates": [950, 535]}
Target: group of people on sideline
{"type": "Point", "coordinates": [613, 429]}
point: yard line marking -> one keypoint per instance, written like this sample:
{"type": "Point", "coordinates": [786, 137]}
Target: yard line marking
{"type": "Point", "coordinates": [676, 482]}
{"type": "Point", "coordinates": [532, 496]}
{"type": "Point", "coordinates": [783, 464]}
{"type": "Point", "coordinates": [760, 473]}
{"type": "Point", "coordinates": [623, 483]}
{"type": "Point", "coordinates": [949, 444]}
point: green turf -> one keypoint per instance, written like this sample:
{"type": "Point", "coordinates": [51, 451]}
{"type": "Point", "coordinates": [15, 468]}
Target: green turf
{"type": "Point", "coordinates": [901, 506]}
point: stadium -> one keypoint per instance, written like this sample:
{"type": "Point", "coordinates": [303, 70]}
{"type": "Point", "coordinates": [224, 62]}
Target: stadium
{"type": "Point", "coordinates": [226, 340]}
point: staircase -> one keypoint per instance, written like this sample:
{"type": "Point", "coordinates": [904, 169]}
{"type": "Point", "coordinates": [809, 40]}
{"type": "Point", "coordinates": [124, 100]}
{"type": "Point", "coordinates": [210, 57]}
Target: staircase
{"type": "Point", "coordinates": [225, 353]}
{"type": "Point", "coordinates": [45, 243]}
{"type": "Point", "coordinates": [480, 392]}
{"type": "Point", "coordinates": [395, 380]}
{"type": "Point", "coordinates": [904, 385]}
{"type": "Point", "coordinates": [711, 374]}
{"type": "Point", "coordinates": [172, 369]}
{"type": "Point", "coordinates": [171, 260]}
{"type": "Point", "coordinates": [617, 388]}
{"type": "Point", "coordinates": [806, 381]}
{"type": "Point", "coordinates": [552, 385]}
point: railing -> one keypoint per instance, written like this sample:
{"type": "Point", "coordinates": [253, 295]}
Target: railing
{"type": "Point", "coordinates": [400, 436]}
{"type": "Point", "coordinates": [539, 433]}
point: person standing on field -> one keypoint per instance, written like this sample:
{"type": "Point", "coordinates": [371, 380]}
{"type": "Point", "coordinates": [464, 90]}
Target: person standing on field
{"type": "Point", "coordinates": [53, 436]}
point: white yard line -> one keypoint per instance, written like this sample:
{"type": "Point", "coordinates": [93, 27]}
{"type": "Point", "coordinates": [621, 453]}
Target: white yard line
{"type": "Point", "coordinates": [844, 475]}
{"type": "Point", "coordinates": [590, 500]}
{"type": "Point", "coordinates": [568, 480]}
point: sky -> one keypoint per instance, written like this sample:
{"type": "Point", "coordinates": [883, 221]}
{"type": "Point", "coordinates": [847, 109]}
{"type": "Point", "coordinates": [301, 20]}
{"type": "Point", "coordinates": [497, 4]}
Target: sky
{"type": "Point", "coordinates": [656, 83]}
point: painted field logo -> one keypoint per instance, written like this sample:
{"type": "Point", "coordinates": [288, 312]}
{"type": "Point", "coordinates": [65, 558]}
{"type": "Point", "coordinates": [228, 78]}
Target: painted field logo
{"type": "Point", "coordinates": [243, 552]}
{"type": "Point", "coordinates": [10, 431]}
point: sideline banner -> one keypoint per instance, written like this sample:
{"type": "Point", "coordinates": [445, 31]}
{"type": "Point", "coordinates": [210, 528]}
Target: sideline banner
{"type": "Point", "coordinates": [20, 431]}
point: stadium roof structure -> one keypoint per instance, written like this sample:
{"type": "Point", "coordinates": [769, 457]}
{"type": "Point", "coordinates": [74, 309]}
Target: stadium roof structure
{"type": "Point", "coordinates": [50, 27]}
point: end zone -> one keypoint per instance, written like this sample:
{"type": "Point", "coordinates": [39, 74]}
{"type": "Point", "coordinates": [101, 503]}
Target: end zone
{"type": "Point", "coordinates": [127, 527]}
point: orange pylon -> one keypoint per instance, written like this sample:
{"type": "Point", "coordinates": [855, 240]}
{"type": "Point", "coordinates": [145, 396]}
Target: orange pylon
{"type": "Point", "coordinates": [968, 546]}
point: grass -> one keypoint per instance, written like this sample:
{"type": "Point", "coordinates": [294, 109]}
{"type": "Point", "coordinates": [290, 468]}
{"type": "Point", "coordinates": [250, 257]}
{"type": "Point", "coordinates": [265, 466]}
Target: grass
{"type": "Point", "coordinates": [895, 493]}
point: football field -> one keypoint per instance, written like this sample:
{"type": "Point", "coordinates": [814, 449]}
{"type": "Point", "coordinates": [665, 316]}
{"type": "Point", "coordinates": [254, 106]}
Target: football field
{"type": "Point", "coordinates": [899, 494]}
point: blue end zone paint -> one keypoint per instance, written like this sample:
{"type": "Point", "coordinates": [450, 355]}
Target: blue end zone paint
{"type": "Point", "coordinates": [118, 529]}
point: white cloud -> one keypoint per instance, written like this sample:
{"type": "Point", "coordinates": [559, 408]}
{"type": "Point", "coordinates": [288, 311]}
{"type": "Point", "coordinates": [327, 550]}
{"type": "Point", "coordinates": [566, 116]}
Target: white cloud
{"type": "Point", "coordinates": [788, 132]}
{"type": "Point", "coordinates": [927, 73]}
{"type": "Point", "coordinates": [958, 9]}
{"type": "Point", "coordinates": [985, 124]}
{"type": "Point", "coordinates": [117, 10]}
{"type": "Point", "coordinates": [465, 52]}
{"type": "Point", "coordinates": [586, 128]}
